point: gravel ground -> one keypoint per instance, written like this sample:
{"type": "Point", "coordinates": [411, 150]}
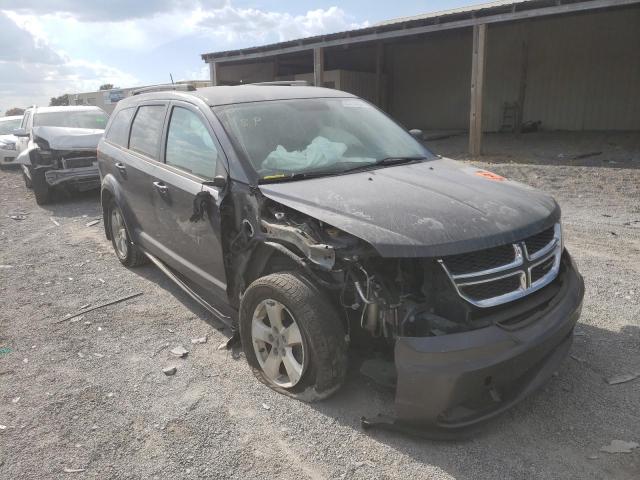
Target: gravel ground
{"type": "Point", "coordinates": [89, 393]}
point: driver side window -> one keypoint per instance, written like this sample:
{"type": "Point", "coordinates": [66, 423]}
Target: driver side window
{"type": "Point", "coordinates": [189, 144]}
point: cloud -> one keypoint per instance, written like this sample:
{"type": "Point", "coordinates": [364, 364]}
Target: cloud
{"type": "Point", "coordinates": [106, 11]}
{"type": "Point", "coordinates": [32, 72]}
{"type": "Point", "coordinates": [44, 42]}
{"type": "Point", "coordinates": [20, 46]}
{"type": "Point", "coordinates": [247, 24]}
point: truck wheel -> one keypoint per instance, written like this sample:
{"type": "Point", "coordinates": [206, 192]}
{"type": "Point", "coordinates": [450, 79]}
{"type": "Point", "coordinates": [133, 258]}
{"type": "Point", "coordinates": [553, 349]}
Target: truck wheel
{"type": "Point", "coordinates": [41, 188]}
{"type": "Point", "coordinates": [128, 254]}
{"type": "Point", "coordinates": [27, 180]}
{"type": "Point", "coordinates": [292, 337]}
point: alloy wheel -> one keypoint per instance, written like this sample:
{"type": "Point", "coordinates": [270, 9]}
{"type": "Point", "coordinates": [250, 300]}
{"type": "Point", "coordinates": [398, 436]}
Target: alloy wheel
{"type": "Point", "coordinates": [277, 342]}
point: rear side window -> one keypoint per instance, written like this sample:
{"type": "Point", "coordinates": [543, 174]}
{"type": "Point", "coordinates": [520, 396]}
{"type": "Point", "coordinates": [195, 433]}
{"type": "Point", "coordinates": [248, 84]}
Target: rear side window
{"type": "Point", "coordinates": [146, 130]}
{"type": "Point", "coordinates": [189, 144]}
{"type": "Point", "coordinates": [119, 130]}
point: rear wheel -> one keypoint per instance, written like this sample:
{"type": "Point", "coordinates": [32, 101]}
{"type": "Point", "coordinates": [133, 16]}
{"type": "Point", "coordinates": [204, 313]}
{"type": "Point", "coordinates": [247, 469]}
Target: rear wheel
{"type": "Point", "coordinates": [41, 188]}
{"type": "Point", "coordinates": [128, 254]}
{"type": "Point", "coordinates": [292, 337]}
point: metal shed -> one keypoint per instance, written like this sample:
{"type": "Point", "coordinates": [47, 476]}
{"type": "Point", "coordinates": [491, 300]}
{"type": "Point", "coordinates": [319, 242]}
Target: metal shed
{"type": "Point", "coordinates": [568, 64]}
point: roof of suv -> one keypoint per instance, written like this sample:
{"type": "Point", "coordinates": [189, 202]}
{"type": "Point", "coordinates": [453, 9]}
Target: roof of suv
{"type": "Point", "coordinates": [225, 95]}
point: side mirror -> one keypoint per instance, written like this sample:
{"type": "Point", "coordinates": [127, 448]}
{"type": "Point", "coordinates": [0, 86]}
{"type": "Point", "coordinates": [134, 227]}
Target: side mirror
{"type": "Point", "coordinates": [20, 132]}
{"type": "Point", "coordinates": [218, 181]}
{"type": "Point", "coordinates": [416, 133]}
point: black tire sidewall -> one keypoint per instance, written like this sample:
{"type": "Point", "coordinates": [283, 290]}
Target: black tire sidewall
{"type": "Point", "coordinates": [41, 189]}
{"type": "Point", "coordinates": [316, 305]}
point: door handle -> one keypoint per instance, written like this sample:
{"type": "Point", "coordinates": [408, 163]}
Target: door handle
{"type": "Point", "coordinates": [161, 187]}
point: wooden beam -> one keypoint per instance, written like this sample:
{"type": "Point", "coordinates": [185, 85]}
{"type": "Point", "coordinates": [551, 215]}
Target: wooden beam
{"type": "Point", "coordinates": [318, 66]}
{"type": "Point", "coordinates": [379, 72]}
{"type": "Point", "coordinates": [478, 61]}
{"type": "Point", "coordinates": [238, 55]}
{"type": "Point", "coordinates": [522, 90]}
{"type": "Point", "coordinates": [213, 73]}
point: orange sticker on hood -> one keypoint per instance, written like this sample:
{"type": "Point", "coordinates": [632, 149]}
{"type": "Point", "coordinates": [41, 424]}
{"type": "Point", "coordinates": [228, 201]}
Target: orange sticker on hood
{"type": "Point", "coordinates": [490, 175]}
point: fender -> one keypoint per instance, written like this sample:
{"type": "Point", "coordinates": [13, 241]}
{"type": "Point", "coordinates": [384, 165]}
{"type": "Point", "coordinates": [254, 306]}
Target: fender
{"type": "Point", "coordinates": [111, 189]}
{"type": "Point", "coordinates": [24, 157]}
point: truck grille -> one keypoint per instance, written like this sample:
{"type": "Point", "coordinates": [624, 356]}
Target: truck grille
{"type": "Point", "coordinates": [498, 275]}
{"type": "Point", "coordinates": [78, 162]}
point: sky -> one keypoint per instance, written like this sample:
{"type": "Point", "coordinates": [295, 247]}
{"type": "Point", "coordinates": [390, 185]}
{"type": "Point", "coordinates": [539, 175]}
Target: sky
{"type": "Point", "coordinates": [52, 47]}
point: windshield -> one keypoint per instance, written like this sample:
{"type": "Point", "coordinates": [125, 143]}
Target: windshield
{"type": "Point", "coordinates": [8, 126]}
{"type": "Point", "coordinates": [317, 135]}
{"type": "Point", "coordinates": [72, 119]}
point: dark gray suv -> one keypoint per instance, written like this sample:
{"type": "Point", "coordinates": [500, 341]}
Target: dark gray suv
{"type": "Point", "coordinates": [313, 224]}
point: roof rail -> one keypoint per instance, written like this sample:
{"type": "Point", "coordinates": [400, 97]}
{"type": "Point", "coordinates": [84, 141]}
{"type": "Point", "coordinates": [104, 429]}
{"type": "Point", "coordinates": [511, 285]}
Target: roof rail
{"type": "Point", "coordinates": [161, 88]}
{"type": "Point", "coordinates": [283, 83]}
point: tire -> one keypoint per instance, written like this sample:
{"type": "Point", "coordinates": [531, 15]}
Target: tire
{"type": "Point", "coordinates": [27, 180]}
{"type": "Point", "coordinates": [128, 253]}
{"type": "Point", "coordinates": [41, 188]}
{"type": "Point", "coordinates": [321, 337]}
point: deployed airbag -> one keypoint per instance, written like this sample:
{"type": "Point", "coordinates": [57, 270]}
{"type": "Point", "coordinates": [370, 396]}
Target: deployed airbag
{"type": "Point", "coordinates": [319, 153]}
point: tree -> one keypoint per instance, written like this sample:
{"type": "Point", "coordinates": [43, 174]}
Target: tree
{"type": "Point", "coordinates": [59, 101]}
{"type": "Point", "coordinates": [14, 111]}
{"type": "Point", "coordinates": [106, 86]}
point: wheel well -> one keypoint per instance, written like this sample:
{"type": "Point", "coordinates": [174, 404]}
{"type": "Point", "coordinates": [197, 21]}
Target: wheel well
{"type": "Point", "coordinates": [105, 199]}
{"type": "Point", "coordinates": [265, 261]}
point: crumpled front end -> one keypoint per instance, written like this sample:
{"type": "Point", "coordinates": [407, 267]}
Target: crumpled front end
{"type": "Point", "coordinates": [453, 382]}
{"type": "Point", "coordinates": [460, 337]}
{"type": "Point", "coordinates": [77, 166]}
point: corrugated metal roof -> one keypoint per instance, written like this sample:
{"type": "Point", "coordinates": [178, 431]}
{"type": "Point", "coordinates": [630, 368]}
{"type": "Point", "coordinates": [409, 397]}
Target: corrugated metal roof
{"type": "Point", "coordinates": [502, 10]}
{"type": "Point", "coordinates": [453, 11]}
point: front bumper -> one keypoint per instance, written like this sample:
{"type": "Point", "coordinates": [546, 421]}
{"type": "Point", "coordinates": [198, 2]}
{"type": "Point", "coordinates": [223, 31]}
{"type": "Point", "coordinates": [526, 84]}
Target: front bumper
{"type": "Point", "coordinates": [82, 177]}
{"type": "Point", "coordinates": [7, 156]}
{"type": "Point", "coordinates": [453, 382]}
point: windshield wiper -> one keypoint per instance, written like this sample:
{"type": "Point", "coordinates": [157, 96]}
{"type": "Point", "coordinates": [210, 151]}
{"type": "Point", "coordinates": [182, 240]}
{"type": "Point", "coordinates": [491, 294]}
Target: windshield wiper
{"type": "Point", "coordinates": [297, 176]}
{"type": "Point", "coordinates": [384, 162]}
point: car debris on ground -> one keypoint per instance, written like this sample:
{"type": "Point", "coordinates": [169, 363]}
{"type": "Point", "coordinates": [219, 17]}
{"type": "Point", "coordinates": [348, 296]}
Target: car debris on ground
{"type": "Point", "coordinates": [619, 446]}
{"type": "Point", "coordinates": [106, 304]}
{"type": "Point", "coordinates": [179, 351]}
{"type": "Point", "coordinates": [622, 378]}
{"type": "Point", "coordinates": [169, 371]}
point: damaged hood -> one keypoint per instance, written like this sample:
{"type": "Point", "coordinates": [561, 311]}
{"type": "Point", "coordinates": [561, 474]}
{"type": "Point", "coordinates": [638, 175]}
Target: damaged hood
{"type": "Point", "coordinates": [65, 138]}
{"type": "Point", "coordinates": [427, 209]}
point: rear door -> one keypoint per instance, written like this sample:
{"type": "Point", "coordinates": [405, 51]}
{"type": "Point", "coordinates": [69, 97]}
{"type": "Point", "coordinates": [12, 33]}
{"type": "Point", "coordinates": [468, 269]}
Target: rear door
{"type": "Point", "coordinates": [136, 170]}
{"type": "Point", "coordinates": [192, 155]}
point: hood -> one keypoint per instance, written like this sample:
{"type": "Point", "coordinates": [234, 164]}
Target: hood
{"type": "Point", "coordinates": [65, 138]}
{"type": "Point", "coordinates": [9, 138]}
{"type": "Point", "coordinates": [428, 209]}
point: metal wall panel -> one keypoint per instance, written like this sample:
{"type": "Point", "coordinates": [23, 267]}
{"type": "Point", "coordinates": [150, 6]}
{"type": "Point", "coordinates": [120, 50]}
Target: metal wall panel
{"type": "Point", "coordinates": [583, 73]}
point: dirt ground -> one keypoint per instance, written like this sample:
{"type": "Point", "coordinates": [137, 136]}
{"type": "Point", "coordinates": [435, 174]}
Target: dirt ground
{"type": "Point", "coordinates": [89, 393]}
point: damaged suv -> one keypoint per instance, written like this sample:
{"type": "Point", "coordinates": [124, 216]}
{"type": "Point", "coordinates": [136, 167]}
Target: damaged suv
{"type": "Point", "coordinates": [57, 147]}
{"type": "Point", "coordinates": [310, 223]}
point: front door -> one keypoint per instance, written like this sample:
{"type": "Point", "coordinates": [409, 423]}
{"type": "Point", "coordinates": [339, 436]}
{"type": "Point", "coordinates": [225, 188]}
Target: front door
{"type": "Point", "coordinates": [192, 156]}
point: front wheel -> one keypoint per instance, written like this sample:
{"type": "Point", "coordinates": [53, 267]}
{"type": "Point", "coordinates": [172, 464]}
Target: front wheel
{"type": "Point", "coordinates": [41, 189]}
{"type": "Point", "coordinates": [27, 180]}
{"type": "Point", "coordinates": [292, 337]}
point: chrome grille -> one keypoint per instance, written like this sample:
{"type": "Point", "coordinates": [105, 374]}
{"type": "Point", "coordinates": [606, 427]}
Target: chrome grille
{"type": "Point", "coordinates": [478, 261]}
{"type": "Point", "coordinates": [498, 275]}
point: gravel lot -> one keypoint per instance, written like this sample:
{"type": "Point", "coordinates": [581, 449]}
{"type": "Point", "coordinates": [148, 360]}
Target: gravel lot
{"type": "Point", "coordinates": [90, 394]}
